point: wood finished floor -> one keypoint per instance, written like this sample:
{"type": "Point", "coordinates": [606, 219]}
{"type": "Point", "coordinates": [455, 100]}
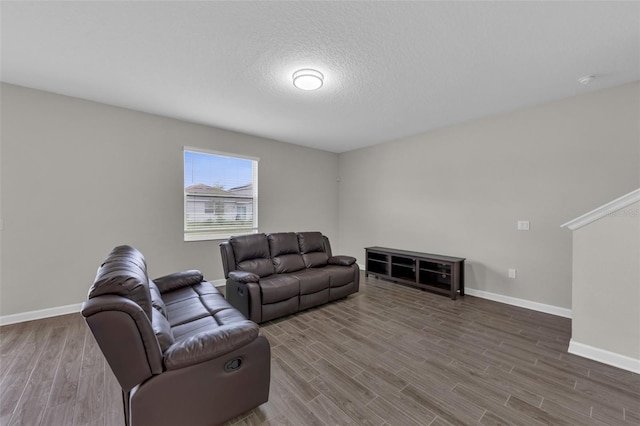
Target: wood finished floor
{"type": "Point", "coordinates": [389, 355]}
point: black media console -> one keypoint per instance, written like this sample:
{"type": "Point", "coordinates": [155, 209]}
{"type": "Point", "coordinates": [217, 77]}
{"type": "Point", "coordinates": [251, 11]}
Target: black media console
{"type": "Point", "coordinates": [442, 274]}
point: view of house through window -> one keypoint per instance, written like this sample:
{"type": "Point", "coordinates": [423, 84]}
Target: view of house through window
{"type": "Point", "coordinates": [220, 195]}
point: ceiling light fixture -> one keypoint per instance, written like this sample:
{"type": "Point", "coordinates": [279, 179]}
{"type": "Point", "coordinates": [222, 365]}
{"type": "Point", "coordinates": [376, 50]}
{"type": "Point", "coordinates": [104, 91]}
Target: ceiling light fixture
{"type": "Point", "coordinates": [308, 79]}
{"type": "Point", "coordinates": [586, 79]}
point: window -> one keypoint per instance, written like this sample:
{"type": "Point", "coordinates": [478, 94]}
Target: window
{"type": "Point", "coordinates": [241, 213]}
{"type": "Point", "coordinates": [220, 195]}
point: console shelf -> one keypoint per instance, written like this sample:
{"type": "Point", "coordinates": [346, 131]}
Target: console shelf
{"type": "Point", "coordinates": [434, 272]}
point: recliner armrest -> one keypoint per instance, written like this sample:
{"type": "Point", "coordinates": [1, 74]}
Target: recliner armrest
{"type": "Point", "coordinates": [342, 260]}
{"type": "Point", "coordinates": [210, 344]}
{"type": "Point", "coordinates": [244, 277]}
{"type": "Point", "coordinates": [178, 280]}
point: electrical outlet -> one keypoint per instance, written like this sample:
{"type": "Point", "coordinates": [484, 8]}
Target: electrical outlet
{"type": "Point", "coordinates": [523, 225]}
{"type": "Point", "coordinates": [512, 273]}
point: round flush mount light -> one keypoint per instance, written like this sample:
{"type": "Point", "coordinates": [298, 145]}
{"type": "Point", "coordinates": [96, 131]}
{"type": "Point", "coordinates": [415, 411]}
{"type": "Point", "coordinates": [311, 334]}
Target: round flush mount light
{"type": "Point", "coordinates": [586, 79]}
{"type": "Point", "coordinates": [308, 79]}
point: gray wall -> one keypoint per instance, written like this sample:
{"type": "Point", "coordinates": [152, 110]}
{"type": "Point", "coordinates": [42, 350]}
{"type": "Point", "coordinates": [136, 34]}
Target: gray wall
{"type": "Point", "coordinates": [460, 190]}
{"type": "Point", "coordinates": [606, 283]}
{"type": "Point", "coordinates": [80, 177]}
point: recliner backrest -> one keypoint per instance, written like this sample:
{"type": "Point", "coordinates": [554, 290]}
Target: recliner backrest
{"type": "Point", "coordinates": [124, 273]}
{"type": "Point", "coordinates": [285, 252]}
{"type": "Point", "coordinates": [119, 313]}
{"type": "Point", "coordinates": [313, 249]}
{"type": "Point", "coordinates": [252, 254]}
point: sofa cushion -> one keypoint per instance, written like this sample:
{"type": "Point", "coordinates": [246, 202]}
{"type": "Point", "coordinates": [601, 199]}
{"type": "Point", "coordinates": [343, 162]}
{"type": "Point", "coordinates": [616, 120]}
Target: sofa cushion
{"type": "Point", "coordinates": [275, 310]}
{"type": "Point", "coordinates": [312, 248]}
{"type": "Point", "coordinates": [315, 259]}
{"type": "Point", "coordinates": [203, 319]}
{"type": "Point", "coordinates": [189, 304]}
{"type": "Point", "coordinates": [214, 303]}
{"type": "Point", "coordinates": [312, 280]}
{"type": "Point", "coordinates": [186, 311]}
{"type": "Point", "coordinates": [279, 287]}
{"type": "Point", "coordinates": [162, 329]}
{"type": "Point", "coordinates": [247, 247]}
{"type": "Point", "coordinates": [310, 300]}
{"type": "Point", "coordinates": [285, 252]}
{"type": "Point", "coordinates": [124, 273]}
{"type": "Point", "coordinates": [178, 295]}
{"type": "Point", "coordinates": [283, 243]}
{"type": "Point", "coordinates": [204, 287]}
{"type": "Point", "coordinates": [182, 331]}
{"type": "Point", "coordinates": [226, 315]}
{"type": "Point", "coordinates": [288, 263]}
{"type": "Point", "coordinates": [340, 292]}
{"type": "Point", "coordinates": [340, 275]}
{"type": "Point", "coordinates": [156, 298]}
{"type": "Point", "coordinates": [310, 241]}
{"type": "Point", "coordinates": [210, 343]}
{"type": "Point", "coordinates": [260, 267]}
{"type": "Point", "coordinates": [252, 254]}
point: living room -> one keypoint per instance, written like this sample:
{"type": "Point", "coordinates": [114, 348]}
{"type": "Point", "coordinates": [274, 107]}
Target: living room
{"type": "Point", "coordinates": [81, 176]}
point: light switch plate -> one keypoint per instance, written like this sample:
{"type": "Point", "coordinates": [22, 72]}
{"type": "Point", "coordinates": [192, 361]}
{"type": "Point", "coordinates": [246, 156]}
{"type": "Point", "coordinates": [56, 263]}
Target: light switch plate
{"type": "Point", "coordinates": [523, 225]}
{"type": "Point", "coordinates": [512, 273]}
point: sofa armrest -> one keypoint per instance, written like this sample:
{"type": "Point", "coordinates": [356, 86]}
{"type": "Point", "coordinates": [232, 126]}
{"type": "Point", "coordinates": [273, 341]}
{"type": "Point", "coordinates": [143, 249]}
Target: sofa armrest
{"type": "Point", "coordinates": [342, 260]}
{"type": "Point", "coordinates": [178, 280]}
{"type": "Point", "coordinates": [210, 344]}
{"type": "Point", "coordinates": [244, 277]}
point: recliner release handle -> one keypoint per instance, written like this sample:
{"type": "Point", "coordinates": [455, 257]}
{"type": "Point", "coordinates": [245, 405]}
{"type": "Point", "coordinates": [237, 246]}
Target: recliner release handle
{"type": "Point", "coordinates": [232, 364]}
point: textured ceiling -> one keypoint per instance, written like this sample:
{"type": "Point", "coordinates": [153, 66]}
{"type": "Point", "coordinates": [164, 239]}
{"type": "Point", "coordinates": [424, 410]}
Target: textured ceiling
{"type": "Point", "coordinates": [392, 69]}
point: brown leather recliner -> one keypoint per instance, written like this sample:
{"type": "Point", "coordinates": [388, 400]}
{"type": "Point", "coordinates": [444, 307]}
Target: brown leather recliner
{"type": "Point", "coordinates": [181, 353]}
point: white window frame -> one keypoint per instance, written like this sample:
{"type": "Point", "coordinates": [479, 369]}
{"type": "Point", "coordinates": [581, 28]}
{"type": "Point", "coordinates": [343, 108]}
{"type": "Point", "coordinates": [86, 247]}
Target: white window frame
{"type": "Point", "coordinates": [220, 233]}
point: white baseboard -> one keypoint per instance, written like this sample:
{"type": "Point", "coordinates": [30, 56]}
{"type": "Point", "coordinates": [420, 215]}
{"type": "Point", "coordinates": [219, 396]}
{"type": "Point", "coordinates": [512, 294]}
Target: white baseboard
{"type": "Point", "coordinates": [606, 357]}
{"type": "Point", "coordinates": [534, 306]}
{"type": "Point", "coordinates": [61, 310]}
{"type": "Point", "coordinates": [39, 314]}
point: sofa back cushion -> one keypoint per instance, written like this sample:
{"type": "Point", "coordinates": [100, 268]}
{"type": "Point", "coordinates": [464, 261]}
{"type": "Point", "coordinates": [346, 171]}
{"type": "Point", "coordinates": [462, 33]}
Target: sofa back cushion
{"type": "Point", "coordinates": [252, 254]}
{"type": "Point", "coordinates": [124, 273]}
{"type": "Point", "coordinates": [162, 329]}
{"type": "Point", "coordinates": [156, 298]}
{"type": "Point", "coordinates": [285, 252]}
{"type": "Point", "coordinates": [312, 248]}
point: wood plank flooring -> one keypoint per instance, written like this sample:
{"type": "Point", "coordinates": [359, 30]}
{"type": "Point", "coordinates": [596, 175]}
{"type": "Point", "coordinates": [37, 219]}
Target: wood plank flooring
{"type": "Point", "coordinates": [389, 355]}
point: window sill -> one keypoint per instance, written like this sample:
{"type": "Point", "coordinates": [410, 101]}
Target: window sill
{"type": "Point", "coordinates": [216, 237]}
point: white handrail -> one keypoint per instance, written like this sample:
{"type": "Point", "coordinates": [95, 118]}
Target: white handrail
{"type": "Point", "coordinates": [604, 210]}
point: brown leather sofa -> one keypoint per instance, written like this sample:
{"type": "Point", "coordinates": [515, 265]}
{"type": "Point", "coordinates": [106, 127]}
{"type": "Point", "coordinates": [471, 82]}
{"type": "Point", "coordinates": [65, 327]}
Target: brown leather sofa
{"type": "Point", "coordinates": [273, 275]}
{"type": "Point", "coordinates": [181, 353]}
